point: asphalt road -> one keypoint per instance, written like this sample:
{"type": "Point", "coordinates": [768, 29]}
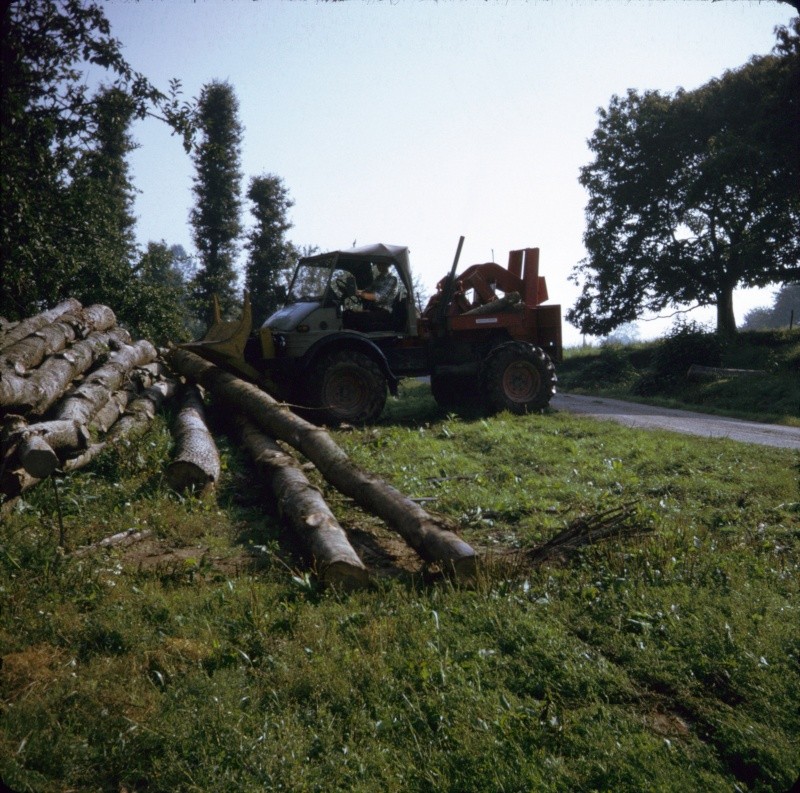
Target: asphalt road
{"type": "Point", "coordinates": [633, 414]}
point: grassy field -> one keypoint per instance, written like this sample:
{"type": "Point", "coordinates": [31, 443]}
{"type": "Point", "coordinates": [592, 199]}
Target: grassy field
{"type": "Point", "coordinates": [205, 658]}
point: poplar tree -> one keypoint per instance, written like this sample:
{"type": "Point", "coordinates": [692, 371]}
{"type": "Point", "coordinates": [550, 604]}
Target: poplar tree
{"type": "Point", "coordinates": [270, 254]}
{"type": "Point", "coordinates": [217, 187]}
{"type": "Point", "coordinates": [50, 123]}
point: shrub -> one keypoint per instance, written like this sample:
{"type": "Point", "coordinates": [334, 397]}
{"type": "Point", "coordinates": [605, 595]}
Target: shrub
{"type": "Point", "coordinates": [611, 367]}
{"type": "Point", "coordinates": [686, 344]}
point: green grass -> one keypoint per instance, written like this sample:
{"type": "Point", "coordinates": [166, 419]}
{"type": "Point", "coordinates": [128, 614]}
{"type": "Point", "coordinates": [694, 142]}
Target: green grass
{"type": "Point", "coordinates": [655, 372]}
{"type": "Point", "coordinates": [668, 660]}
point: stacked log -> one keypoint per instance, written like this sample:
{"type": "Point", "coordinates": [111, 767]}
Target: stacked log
{"type": "Point", "coordinates": [67, 377]}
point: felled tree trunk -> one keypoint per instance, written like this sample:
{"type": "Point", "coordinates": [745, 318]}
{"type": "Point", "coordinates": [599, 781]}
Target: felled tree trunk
{"type": "Point", "coordinates": [29, 352]}
{"type": "Point", "coordinates": [424, 533]}
{"type": "Point", "coordinates": [142, 410]}
{"type": "Point", "coordinates": [32, 324]}
{"type": "Point", "coordinates": [45, 385]}
{"type": "Point", "coordinates": [508, 302]}
{"type": "Point", "coordinates": [39, 447]}
{"type": "Point", "coordinates": [196, 461]}
{"type": "Point", "coordinates": [95, 390]}
{"type": "Point", "coordinates": [302, 506]}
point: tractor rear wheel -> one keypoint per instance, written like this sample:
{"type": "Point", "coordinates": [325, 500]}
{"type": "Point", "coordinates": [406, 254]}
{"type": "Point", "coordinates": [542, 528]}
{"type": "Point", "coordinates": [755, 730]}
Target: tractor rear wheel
{"type": "Point", "coordinates": [518, 377]}
{"type": "Point", "coordinates": [346, 386]}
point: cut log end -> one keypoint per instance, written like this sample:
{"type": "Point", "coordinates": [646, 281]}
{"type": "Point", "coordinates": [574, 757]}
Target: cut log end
{"type": "Point", "coordinates": [37, 457]}
{"type": "Point", "coordinates": [344, 576]}
{"type": "Point", "coordinates": [182, 475]}
{"type": "Point", "coordinates": [464, 569]}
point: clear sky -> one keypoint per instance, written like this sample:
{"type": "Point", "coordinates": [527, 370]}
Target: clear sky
{"type": "Point", "coordinates": [412, 122]}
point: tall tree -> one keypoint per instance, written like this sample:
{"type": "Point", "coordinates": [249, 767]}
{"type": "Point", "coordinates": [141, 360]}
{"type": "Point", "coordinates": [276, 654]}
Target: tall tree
{"type": "Point", "coordinates": [271, 255]}
{"type": "Point", "coordinates": [217, 189]}
{"type": "Point", "coordinates": [693, 195]}
{"type": "Point", "coordinates": [105, 239]}
{"type": "Point", "coordinates": [48, 122]}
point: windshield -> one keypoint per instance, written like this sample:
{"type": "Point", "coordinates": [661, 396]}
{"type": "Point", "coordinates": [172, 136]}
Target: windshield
{"type": "Point", "coordinates": [311, 280]}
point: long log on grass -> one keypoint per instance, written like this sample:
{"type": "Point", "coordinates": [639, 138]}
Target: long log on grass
{"type": "Point", "coordinates": [45, 385]}
{"type": "Point", "coordinates": [426, 534]}
{"type": "Point", "coordinates": [302, 506]}
{"type": "Point", "coordinates": [34, 323]}
{"type": "Point", "coordinates": [195, 464]}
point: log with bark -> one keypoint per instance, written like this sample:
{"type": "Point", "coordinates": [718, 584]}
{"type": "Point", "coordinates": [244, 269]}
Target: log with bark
{"type": "Point", "coordinates": [94, 391]}
{"type": "Point", "coordinates": [136, 419]}
{"type": "Point", "coordinates": [141, 411]}
{"type": "Point", "coordinates": [427, 535]}
{"type": "Point", "coordinates": [34, 323]}
{"type": "Point", "coordinates": [195, 463]}
{"type": "Point", "coordinates": [29, 352]}
{"type": "Point", "coordinates": [509, 302]}
{"type": "Point", "coordinates": [38, 448]}
{"type": "Point", "coordinates": [45, 385]}
{"type": "Point", "coordinates": [302, 506]}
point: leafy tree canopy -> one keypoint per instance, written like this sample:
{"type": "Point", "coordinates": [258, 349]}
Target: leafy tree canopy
{"type": "Point", "coordinates": [216, 217]}
{"type": "Point", "coordinates": [271, 255]}
{"type": "Point", "coordinates": [56, 147]}
{"type": "Point", "coordinates": [694, 194]}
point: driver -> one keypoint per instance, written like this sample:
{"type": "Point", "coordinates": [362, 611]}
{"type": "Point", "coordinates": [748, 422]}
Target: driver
{"type": "Point", "coordinates": [383, 291]}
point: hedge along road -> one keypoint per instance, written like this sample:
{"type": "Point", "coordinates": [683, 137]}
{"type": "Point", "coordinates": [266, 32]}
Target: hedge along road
{"type": "Point", "coordinates": [634, 414]}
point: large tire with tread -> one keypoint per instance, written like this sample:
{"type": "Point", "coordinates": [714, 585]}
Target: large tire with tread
{"type": "Point", "coordinates": [457, 392]}
{"type": "Point", "coordinates": [518, 377]}
{"type": "Point", "coordinates": [345, 387]}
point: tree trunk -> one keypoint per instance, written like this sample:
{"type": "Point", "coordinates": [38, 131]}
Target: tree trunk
{"type": "Point", "coordinates": [45, 385]}
{"type": "Point", "coordinates": [32, 324]}
{"type": "Point", "coordinates": [196, 461]}
{"type": "Point", "coordinates": [142, 410]}
{"type": "Point", "coordinates": [95, 390]}
{"type": "Point", "coordinates": [29, 352]}
{"type": "Point", "coordinates": [302, 506]}
{"type": "Point", "coordinates": [424, 533]}
{"type": "Point", "coordinates": [726, 319]}
{"type": "Point", "coordinates": [40, 447]}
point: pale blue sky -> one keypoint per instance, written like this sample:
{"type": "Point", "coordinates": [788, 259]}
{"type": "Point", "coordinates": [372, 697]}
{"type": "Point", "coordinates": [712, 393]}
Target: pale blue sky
{"type": "Point", "coordinates": [412, 122]}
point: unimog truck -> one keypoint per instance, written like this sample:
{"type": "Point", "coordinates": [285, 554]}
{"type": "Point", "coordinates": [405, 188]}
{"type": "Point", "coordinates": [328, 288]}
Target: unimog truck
{"type": "Point", "coordinates": [485, 339]}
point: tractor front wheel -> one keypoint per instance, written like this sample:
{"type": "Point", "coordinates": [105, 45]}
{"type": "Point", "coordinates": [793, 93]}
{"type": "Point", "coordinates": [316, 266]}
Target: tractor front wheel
{"type": "Point", "coordinates": [346, 386]}
{"type": "Point", "coordinates": [518, 377]}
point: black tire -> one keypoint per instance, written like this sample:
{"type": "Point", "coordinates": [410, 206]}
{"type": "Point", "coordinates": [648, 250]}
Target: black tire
{"type": "Point", "coordinates": [518, 377]}
{"type": "Point", "coordinates": [457, 392]}
{"type": "Point", "coordinates": [346, 386]}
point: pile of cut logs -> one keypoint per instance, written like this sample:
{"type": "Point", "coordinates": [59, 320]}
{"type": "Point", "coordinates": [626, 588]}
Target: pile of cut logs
{"type": "Point", "coordinates": [72, 382]}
